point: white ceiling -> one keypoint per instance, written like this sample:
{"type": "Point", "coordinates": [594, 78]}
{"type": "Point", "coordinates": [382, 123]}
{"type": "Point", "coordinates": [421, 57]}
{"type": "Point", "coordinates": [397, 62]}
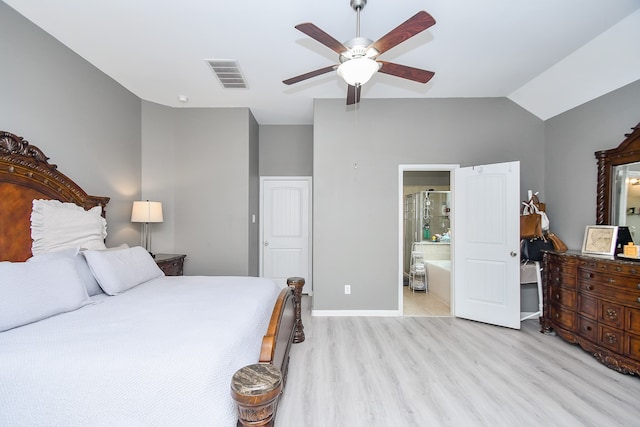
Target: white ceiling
{"type": "Point", "coordinates": [529, 50]}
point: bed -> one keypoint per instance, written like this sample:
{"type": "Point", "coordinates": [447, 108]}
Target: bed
{"type": "Point", "coordinates": [143, 349]}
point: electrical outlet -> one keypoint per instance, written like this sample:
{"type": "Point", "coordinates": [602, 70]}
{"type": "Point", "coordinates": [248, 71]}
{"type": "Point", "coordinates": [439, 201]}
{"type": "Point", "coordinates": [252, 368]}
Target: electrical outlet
{"type": "Point", "coordinates": [347, 289]}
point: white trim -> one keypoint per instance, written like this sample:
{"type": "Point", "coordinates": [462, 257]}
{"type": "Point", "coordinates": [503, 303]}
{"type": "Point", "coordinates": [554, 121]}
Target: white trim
{"type": "Point", "coordinates": [308, 280]}
{"type": "Point", "coordinates": [356, 313]}
{"type": "Point", "coordinates": [411, 168]}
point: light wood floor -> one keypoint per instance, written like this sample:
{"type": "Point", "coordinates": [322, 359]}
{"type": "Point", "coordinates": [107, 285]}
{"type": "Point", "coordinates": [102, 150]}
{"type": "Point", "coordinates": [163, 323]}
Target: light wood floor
{"type": "Point", "coordinates": [420, 303]}
{"type": "Point", "coordinates": [445, 371]}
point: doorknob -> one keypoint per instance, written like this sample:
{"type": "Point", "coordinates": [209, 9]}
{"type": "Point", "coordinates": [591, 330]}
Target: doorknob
{"type": "Point", "coordinates": [266, 243]}
{"type": "Point", "coordinates": [513, 254]}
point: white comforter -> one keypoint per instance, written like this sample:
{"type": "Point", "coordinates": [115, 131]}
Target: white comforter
{"type": "Point", "coordinates": [160, 354]}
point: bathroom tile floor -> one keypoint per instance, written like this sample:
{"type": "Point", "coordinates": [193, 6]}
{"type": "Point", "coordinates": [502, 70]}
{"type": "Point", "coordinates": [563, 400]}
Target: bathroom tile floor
{"type": "Point", "coordinates": [423, 304]}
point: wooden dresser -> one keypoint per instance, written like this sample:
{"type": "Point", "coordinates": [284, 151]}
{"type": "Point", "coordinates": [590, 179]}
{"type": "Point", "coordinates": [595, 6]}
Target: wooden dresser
{"type": "Point", "coordinates": [595, 303]}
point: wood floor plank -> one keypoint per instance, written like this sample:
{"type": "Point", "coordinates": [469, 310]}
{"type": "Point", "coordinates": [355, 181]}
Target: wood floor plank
{"type": "Point", "coordinates": [444, 371]}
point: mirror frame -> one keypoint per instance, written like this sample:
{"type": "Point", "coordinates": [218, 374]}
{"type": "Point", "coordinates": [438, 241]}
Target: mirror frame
{"type": "Point", "coordinates": [627, 152]}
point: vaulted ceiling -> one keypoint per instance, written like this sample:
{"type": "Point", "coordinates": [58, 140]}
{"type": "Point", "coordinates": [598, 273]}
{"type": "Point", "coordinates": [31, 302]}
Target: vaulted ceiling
{"type": "Point", "coordinates": [546, 55]}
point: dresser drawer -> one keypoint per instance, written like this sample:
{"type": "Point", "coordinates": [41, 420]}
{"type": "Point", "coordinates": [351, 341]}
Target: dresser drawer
{"type": "Point", "coordinates": [588, 306]}
{"type": "Point", "coordinates": [630, 268]}
{"type": "Point", "coordinates": [562, 296]}
{"type": "Point", "coordinates": [588, 328]}
{"type": "Point", "coordinates": [632, 346]}
{"type": "Point", "coordinates": [612, 293]}
{"type": "Point", "coordinates": [632, 323]}
{"type": "Point", "coordinates": [562, 317]}
{"type": "Point", "coordinates": [611, 313]}
{"type": "Point", "coordinates": [624, 282]}
{"type": "Point", "coordinates": [610, 337]}
{"type": "Point", "coordinates": [561, 278]}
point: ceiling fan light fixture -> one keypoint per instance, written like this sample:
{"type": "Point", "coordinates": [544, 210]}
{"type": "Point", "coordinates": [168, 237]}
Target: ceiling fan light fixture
{"type": "Point", "coordinates": [358, 71]}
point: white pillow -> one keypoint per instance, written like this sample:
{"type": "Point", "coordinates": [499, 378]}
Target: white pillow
{"type": "Point", "coordinates": [82, 268]}
{"type": "Point", "coordinates": [32, 291]}
{"type": "Point", "coordinates": [56, 225]}
{"type": "Point", "coordinates": [120, 270]}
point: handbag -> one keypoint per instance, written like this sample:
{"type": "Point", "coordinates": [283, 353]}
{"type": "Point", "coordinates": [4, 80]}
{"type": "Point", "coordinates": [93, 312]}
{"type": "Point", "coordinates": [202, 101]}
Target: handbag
{"type": "Point", "coordinates": [542, 207]}
{"type": "Point", "coordinates": [558, 245]}
{"type": "Point", "coordinates": [530, 226]}
{"type": "Point", "coordinates": [532, 249]}
{"type": "Point", "coordinates": [533, 207]}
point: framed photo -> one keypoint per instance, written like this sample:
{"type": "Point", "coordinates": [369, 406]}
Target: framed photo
{"type": "Point", "coordinates": [600, 239]}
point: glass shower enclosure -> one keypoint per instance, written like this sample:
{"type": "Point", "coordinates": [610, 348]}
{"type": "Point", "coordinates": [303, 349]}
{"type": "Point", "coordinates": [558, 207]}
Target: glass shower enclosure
{"type": "Point", "coordinates": [426, 215]}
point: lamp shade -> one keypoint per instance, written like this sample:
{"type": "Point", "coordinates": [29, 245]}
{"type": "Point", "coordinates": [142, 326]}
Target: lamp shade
{"type": "Point", "coordinates": [358, 71]}
{"type": "Point", "coordinates": [146, 211]}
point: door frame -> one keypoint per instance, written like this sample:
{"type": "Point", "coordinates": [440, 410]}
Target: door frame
{"type": "Point", "coordinates": [308, 286]}
{"type": "Point", "coordinates": [416, 168]}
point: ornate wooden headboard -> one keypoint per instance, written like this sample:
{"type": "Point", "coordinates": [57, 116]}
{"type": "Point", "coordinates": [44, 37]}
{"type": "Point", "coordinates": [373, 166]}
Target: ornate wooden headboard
{"type": "Point", "coordinates": [25, 175]}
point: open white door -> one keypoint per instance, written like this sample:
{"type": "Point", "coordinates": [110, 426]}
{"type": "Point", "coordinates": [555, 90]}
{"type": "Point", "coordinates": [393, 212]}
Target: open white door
{"type": "Point", "coordinates": [486, 233]}
{"type": "Point", "coordinates": [285, 224]}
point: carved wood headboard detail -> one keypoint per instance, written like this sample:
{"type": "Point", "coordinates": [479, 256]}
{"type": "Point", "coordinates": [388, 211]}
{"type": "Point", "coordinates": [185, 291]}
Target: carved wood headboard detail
{"type": "Point", "coordinates": [25, 175]}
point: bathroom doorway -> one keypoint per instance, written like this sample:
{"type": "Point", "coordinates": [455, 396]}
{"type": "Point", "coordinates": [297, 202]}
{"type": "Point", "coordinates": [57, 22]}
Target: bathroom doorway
{"type": "Point", "coordinates": [425, 243]}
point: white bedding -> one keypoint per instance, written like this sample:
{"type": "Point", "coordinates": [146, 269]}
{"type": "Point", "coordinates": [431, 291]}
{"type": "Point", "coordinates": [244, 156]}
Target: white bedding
{"type": "Point", "coordinates": [160, 354]}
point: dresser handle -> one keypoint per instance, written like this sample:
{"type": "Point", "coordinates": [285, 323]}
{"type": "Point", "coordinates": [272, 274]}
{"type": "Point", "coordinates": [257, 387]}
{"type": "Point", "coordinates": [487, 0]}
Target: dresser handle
{"type": "Point", "coordinates": [587, 328]}
{"type": "Point", "coordinates": [588, 287]}
{"type": "Point", "coordinates": [612, 314]}
{"type": "Point", "coordinates": [589, 276]}
{"type": "Point", "coordinates": [638, 286]}
{"type": "Point", "coordinates": [611, 338]}
{"type": "Point", "coordinates": [557, 315]}
{"type": "Point", "coordinates": [557, 296]}
{"type": "Point", "coordinates": [612, 280]}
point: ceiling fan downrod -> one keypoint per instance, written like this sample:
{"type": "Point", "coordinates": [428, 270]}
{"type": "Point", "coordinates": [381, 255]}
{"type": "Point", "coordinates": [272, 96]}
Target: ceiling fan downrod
{"type": "Point", "coordinates": [358, 5]}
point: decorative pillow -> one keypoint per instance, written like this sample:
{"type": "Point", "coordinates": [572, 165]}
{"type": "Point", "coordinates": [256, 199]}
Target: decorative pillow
{"type": "Point", "coordinates": [32, 291]}
{"type": "Point", "coordinates": [118, 271]}
{"type": "Point", "coordinates": [56, 225]}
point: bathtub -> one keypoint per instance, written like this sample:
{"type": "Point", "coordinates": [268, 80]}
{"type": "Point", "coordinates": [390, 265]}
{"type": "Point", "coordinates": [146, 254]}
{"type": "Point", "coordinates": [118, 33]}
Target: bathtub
{"type": "Point", "coordinates": [439, 279]}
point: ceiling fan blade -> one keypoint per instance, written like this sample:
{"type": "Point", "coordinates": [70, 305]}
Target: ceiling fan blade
{"type": "Point", "coordinates": [409, 28]}
{"type": "Point", "coordinates": [309, 75]}
{"type": "Point", "coordinates": [353, 94]}
{"type": "Point", "coordinates": [317, 34]}
{"type": "Point", "coordinates": [405, 72]}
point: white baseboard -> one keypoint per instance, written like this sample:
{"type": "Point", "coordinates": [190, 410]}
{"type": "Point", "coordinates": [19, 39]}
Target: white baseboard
{"type": "Point", "coordinates": [356, 313]}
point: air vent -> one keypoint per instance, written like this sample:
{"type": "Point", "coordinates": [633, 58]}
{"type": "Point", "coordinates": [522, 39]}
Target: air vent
{"type": "Point", "coordinates": [228, 73]}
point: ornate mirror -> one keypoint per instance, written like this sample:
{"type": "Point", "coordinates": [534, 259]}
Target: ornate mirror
{"type": "Point", "coordinates": [618, 191]}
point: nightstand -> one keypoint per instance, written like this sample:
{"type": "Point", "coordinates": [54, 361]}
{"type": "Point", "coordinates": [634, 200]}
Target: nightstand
{"type": "Point", "coordinates": [171, 264]}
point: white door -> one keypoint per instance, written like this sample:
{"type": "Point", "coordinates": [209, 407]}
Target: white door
{"type": "Point", "coordinates": [286, 229]}
{"type": "Point", "coordinates": [486, 227]}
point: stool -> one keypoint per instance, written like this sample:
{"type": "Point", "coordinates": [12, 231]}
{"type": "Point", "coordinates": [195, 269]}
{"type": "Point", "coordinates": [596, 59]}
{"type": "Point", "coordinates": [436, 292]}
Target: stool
{"type": "Point", "coordinates": [256, 388]}
{"type": "Point", "coordinates": [530, 273]}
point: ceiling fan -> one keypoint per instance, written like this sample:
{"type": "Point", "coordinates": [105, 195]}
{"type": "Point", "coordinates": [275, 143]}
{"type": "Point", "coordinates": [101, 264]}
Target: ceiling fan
{"type": "Point", "coordinates": [358, 56]}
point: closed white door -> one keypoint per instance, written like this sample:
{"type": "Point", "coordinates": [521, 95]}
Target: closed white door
{"type": "Point", "coordinates": [286, 229]}
{"type": "Point", "coordinates": [486, 227]}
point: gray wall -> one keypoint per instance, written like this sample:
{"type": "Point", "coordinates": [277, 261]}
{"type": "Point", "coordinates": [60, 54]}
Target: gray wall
{"type": "Point", "coordinates": [572, 138]}
{"type": "Point", "coordinates": [356, 160]}
{"type": "Point", "coordinates": [83, 120]}
{"type": "Point", "coordinates": [159, 170]}
{"type": "Point", "coordinates": [202, 164]}
{"type": "Point", "coordinates": [286, 150]}
{"type": "Point", "coordinates": [253, 196]}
